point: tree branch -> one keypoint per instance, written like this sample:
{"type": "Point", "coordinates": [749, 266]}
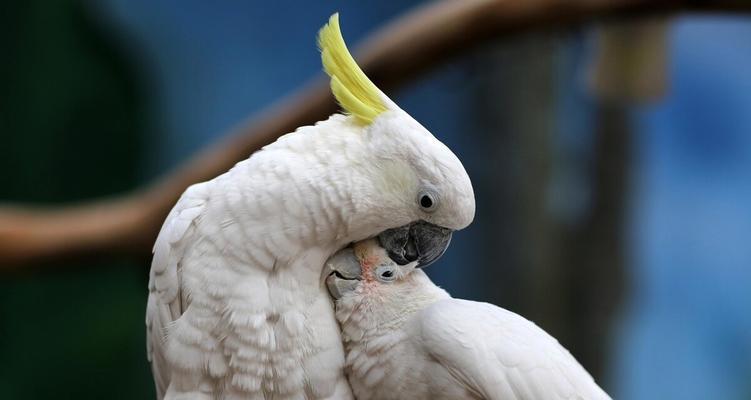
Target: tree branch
{"type": "Point", "coordinates": [402, 50]}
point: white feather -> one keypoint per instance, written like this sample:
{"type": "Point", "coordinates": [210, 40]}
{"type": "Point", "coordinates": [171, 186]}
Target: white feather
{"type": "Point", "coordinates": [237, 307]}
{"type": "Point", "coordinates": [213, 315]}
{"type": "Point", "coordinates": [419, 343]}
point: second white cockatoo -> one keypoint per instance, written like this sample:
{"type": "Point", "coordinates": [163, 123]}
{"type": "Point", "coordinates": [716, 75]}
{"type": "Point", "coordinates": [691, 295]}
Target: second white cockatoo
{"type": "Point", "coordinates": [406, 338]}
{"type": "Point", "coordinates": [237, 305]}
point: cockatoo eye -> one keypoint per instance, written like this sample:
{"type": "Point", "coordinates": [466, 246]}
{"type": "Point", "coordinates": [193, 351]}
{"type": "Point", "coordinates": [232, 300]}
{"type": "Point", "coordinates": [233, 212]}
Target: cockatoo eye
{"type": "Point", "coordinates": [386, 273]}
{"type": "Point", "coordinates": [427, 199]}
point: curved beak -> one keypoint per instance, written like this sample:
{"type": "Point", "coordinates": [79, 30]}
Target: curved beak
{"type": "Point", "coordinates": [419, 241]}
{"type": "Point", "coordinates": [343, 273]}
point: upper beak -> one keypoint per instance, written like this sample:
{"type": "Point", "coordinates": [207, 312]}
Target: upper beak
{"type": "Point", "coordinates": [419, 241]}
{"type": "Point", "coordinates": [342, 272]}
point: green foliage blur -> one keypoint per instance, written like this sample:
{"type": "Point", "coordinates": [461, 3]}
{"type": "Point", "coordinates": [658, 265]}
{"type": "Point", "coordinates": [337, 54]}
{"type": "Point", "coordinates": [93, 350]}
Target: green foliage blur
{"type": "Point", "coordinates": [71, 124]}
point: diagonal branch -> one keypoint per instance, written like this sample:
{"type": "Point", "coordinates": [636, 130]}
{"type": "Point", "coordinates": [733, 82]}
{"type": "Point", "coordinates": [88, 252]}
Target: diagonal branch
{"type": "Point", "coordinates": [400, 51]}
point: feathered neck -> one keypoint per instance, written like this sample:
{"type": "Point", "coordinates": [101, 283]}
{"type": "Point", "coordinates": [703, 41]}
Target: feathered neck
{"type": "Point", "coordinates": [362, 316]}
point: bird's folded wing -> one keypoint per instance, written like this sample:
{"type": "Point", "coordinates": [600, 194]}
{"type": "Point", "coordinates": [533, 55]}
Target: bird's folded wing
{"type": "Point", "coordinates": [166, 301]}
{"type": "Point", "coordinates": [497, 354]}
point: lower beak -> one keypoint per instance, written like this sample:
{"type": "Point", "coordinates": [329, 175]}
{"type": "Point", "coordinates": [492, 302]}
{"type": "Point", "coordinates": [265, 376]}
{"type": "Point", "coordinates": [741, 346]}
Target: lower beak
{"type": "Point", "coordinates": [419, 241]}
{"type": "Point", "coordinates": [338, 286]}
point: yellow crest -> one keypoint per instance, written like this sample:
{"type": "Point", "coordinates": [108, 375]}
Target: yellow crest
{"type": "Point", "coordinates": [353, 90]}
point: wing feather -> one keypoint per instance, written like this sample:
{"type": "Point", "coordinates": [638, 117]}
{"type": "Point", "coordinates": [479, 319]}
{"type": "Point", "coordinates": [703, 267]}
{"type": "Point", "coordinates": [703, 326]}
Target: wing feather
{"type": "Point", "coordinates": [500, 355]}
{"type": "Point", "coordinates": [165, 303]}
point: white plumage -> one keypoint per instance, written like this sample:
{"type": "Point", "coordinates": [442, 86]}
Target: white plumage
{"type": "Point", "coordinates": [237, 307]}
{"type": "Point", "coordinates": [405, 338]}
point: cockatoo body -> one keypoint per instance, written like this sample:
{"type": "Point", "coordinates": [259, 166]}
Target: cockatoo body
{"type": "Point", "coordinates": [237, 305]}
{"type": "Point", "coordinates": [406, 338]}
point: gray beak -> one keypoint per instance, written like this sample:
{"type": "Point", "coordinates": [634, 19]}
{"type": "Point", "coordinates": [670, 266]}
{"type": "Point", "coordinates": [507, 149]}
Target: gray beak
{"type": "Point", "coordinates": [343, 273]}
{"type": "Point", "coordinates": [419, 241]}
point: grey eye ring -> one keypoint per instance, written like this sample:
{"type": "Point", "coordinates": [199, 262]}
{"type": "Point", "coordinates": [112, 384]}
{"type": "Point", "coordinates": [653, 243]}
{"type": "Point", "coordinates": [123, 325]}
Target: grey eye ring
{"type": "Point", "coordinates": [385, 273]}
{"type": "Point", "coordinates": [427, 199]}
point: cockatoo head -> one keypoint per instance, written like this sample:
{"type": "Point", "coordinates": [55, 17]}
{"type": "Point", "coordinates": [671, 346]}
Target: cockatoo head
{"type": "Point", "coordinates": [411, 190]}
{"type": "Point", "coordinates": [369, 288]}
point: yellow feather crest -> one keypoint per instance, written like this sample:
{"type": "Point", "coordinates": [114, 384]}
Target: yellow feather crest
{"type": "Point", "coordinates": [357, 94]}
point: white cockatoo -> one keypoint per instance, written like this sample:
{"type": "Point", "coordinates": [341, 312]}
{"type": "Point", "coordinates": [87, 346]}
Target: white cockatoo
{"type": "Point", "coordinates": [238, 307]}
{"type": "Point", "coordinates": [406, 338]}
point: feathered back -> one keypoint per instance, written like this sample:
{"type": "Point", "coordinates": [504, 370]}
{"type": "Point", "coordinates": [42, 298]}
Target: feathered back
{"type": "Point", "coordinates": [356, 94]}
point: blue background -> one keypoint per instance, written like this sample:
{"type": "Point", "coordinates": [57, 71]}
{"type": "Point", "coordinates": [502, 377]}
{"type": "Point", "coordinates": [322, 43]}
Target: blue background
{"type": "Point", "coordinates": [189, 71]}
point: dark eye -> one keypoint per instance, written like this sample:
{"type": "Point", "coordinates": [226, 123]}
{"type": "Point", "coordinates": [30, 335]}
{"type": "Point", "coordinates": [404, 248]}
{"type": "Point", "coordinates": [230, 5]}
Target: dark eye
{"type": "Point", "coordinates": [385, 273]}
{"type": "Point", "coordinates": [427, 199]}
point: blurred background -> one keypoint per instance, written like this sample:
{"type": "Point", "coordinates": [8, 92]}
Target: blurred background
{"type": "Point", "coordinates": [611, 164]}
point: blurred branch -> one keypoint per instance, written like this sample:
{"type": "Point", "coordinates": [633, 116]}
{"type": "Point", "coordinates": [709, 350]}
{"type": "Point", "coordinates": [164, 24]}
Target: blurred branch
{"type": "Point", "coordinates": [631, 60]}
{"type": "Point", "coordinates": [411, 45]}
